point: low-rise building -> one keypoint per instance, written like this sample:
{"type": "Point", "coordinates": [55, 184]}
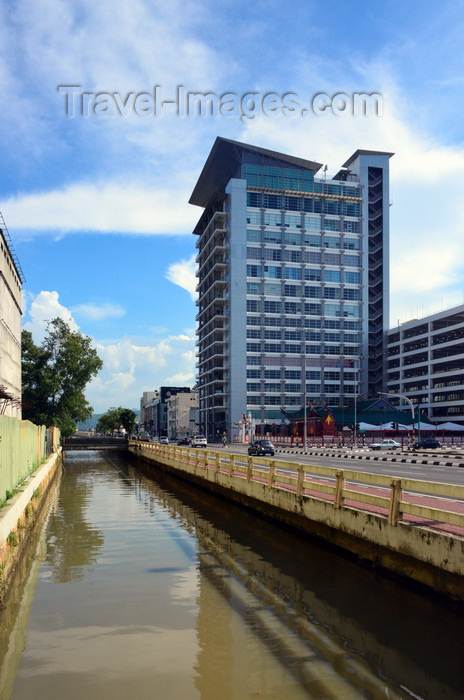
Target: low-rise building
{"type": "Point", "coordinates": [182, 411]}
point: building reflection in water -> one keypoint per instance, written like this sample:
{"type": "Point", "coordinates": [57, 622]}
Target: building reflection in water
{"type": "Point", "coordinates": [329, 621]}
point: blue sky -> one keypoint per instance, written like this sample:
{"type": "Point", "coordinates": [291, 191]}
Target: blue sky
{"type": "Point", "coordinates": [97, 206]}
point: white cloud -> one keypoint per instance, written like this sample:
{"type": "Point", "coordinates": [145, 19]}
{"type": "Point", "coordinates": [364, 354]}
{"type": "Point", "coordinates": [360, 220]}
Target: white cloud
{"type": "Point", "coordinates": [180, 379]}
{"type": "Point", "coordinates": [130, 369]}
{"type": "Point", "coordinates": [183, 274]}
{"type": "Point", "coordinates": [102, 208]}
{"type": "Point", "coordinates": [94, 312]}
{"type": "Point", "coordinates": [43, 308]}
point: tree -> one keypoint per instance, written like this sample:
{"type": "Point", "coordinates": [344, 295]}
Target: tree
{"type": "Point", "coordinates": [54, 377]}
{"type": "Point", "coordinates": [116, 418]}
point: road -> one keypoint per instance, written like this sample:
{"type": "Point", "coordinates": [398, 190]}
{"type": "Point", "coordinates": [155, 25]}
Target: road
{"type": "Point", "coordinates": [379, 462]}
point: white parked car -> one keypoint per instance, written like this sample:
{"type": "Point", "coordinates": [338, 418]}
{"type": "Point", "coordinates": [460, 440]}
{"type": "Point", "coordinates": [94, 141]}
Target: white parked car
{"type": "Point", "coordinates": [163, 440]}
{"type": "Point", "coordinates": [199, 441]}
{"type": "Point", "coordinates": [385, 445]}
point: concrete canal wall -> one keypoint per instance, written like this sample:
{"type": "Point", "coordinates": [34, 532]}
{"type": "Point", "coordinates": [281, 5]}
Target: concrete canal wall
{"type": "Point", "coordinates": [411, 550]}
{"type": "Point", "coordinates": [29, 458]}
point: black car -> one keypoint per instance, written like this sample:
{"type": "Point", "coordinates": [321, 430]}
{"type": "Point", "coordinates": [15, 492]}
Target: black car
{"type": "Point", "coordinates": [427, 444]}
{"type": "Point", "coordinates": [261, 447]}
{"type": "Point", "coordinates": [183, 441]}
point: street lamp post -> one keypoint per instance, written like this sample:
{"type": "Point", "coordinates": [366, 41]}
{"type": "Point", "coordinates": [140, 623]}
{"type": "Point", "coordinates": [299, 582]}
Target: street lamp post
{"type": "Point", "coordinates": [401, 396]}
{"type": "Point", "coordinates": [356, 378]}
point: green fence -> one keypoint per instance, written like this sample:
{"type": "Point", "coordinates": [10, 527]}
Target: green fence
{"type": "Point", "coordinates": [23, 447]}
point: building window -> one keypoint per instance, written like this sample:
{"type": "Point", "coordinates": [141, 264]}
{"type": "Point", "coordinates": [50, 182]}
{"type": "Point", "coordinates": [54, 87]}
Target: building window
{"type": "Point", "coordinates": [291, 307]}
{"type": "Point", "coordinates": [254, 386]}
{"type": "Point", "coordinates": [351, 260]}
{"type": "Point", "coordinates": [292, 374]}
{"type": "Point", "coordinates": [272, 271]}
{"type": "Point", "coordinates": [332, 225]}
{"type": "Point", "coordinates": [312, 223]}
{"type": "Point", "coordinates": [312, 240]}
{"type": "Point", "coordinates": [312, 274]}
{"type": "Point", "coordinates": [272, 219]}
{"type": "Point", "coordinates": [332, 276]}
{"type": "Point", "coordinates": [332, 258]}
{"type": "Point", "coordinates": [253, 235]}
{"type": "Point", "coordinates": [253, 321]}
{"type": "Point", "coordinates": [352, 277]}
{"type": "Point", "coordinates": [291, 290]}
{"type": "Point", "coordinates": [293, 273]}
{"type": "Point", "coordinates": [351, 226]}
{"type": "Point", "coordinates": [254, 217]}
{"type": "Point", "coordinates": [272, 307]}
{"type": "Point", "coordinates": [314, 309]}
{"type": "Point", "coordinates": [253, 333]}
{"type": "Point", "coordinates": [253, 373]}
{"type": "Point", "coordinates": [272, 387]}
{"type": "Point", "coordinates": [352, 294]}
{"type": "Point", "coordinates": [292, 238]}
{"type": "Point", "coordinates": [293, 388]}
{"type": "Point", "coordinates": [351, 311]}
{"type": "Point", "coordinates": [292, 335]}
{"type": "Point", "coordinates": [272, 335]}
{"type": "Point", "coordinates": [351, 243]}
{"type": "Point", "coordinates": [332, 310]}
{"type": "Point", "coordinates": [332, 293]}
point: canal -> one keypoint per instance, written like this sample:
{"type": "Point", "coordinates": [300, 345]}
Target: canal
{"type": "Point", "coordinates": [140, 586]}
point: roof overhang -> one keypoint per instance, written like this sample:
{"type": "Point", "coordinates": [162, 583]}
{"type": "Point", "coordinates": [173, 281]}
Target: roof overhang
{"type": "Point", "coordinates": [222, 163]}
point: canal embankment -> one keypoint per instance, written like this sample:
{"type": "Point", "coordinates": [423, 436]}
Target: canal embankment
{"type": "Point", "coordinates": [412, 528]}
{"type": "Point", "coordinates": [30, 459]}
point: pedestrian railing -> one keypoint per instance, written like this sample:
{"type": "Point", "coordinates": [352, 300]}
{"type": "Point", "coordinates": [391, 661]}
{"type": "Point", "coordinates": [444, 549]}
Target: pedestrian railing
{"type": "Point", "coordinates": [398, 499]}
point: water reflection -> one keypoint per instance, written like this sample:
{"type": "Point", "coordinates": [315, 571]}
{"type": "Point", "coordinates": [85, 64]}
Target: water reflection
{"type": "Point", "coordinates": [73, 544]}
{"type": "Point", "coordinates": [391, 640]}
{"type": "Point", "coordinates": [181, 596]}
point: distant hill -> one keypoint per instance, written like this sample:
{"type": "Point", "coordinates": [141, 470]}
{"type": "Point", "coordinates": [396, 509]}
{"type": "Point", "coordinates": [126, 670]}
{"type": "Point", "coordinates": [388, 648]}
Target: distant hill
{"type": "Point", "coordinates": [92, 422]}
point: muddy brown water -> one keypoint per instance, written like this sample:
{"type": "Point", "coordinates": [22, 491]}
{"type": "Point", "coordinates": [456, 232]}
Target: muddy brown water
{"type": "Point", "coordinates": [139, 586]}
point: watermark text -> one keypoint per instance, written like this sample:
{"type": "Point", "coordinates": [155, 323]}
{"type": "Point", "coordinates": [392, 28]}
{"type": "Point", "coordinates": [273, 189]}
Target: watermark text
{"type": "Point", "coordinates": [251, 105]}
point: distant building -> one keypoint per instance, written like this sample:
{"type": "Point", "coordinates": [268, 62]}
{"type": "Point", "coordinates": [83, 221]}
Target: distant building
{"type": "Point", "coordinates": [426, 363]}
{"type": "Point", "coordinates": [182, 412]}
{"type": "Point", "coordinates": [293, 282]}
{"type": "Point", "coordinates": [146, 409]}
{"type": "Point", "coordinates": [11, 280]}
{"type": "Point", "coordinates": [154, 415]}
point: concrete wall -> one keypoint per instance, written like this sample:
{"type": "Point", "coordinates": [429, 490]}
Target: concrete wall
{"type": "Point", "coordinates": [10, 328]}
{"type": "Point", "coordinates": [20, 514]}
{"type": "Point", "coordinates": [419, 553]}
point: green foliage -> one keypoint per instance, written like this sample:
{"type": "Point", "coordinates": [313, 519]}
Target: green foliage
{"type": "Point", "coordinates": [13, 539]}
{"type": "Point", "coordinates": [116, 418]}
{"type": "Point", "coordinates": [54, 376]}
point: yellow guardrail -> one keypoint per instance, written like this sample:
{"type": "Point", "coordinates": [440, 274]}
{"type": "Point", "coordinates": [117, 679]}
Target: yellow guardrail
{"type": "Point", "coordinates": [332, 482]}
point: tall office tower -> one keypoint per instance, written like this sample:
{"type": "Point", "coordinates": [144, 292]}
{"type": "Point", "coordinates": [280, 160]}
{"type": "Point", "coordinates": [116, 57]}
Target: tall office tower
{"type": "Point", "coordinates": [293, 282]}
